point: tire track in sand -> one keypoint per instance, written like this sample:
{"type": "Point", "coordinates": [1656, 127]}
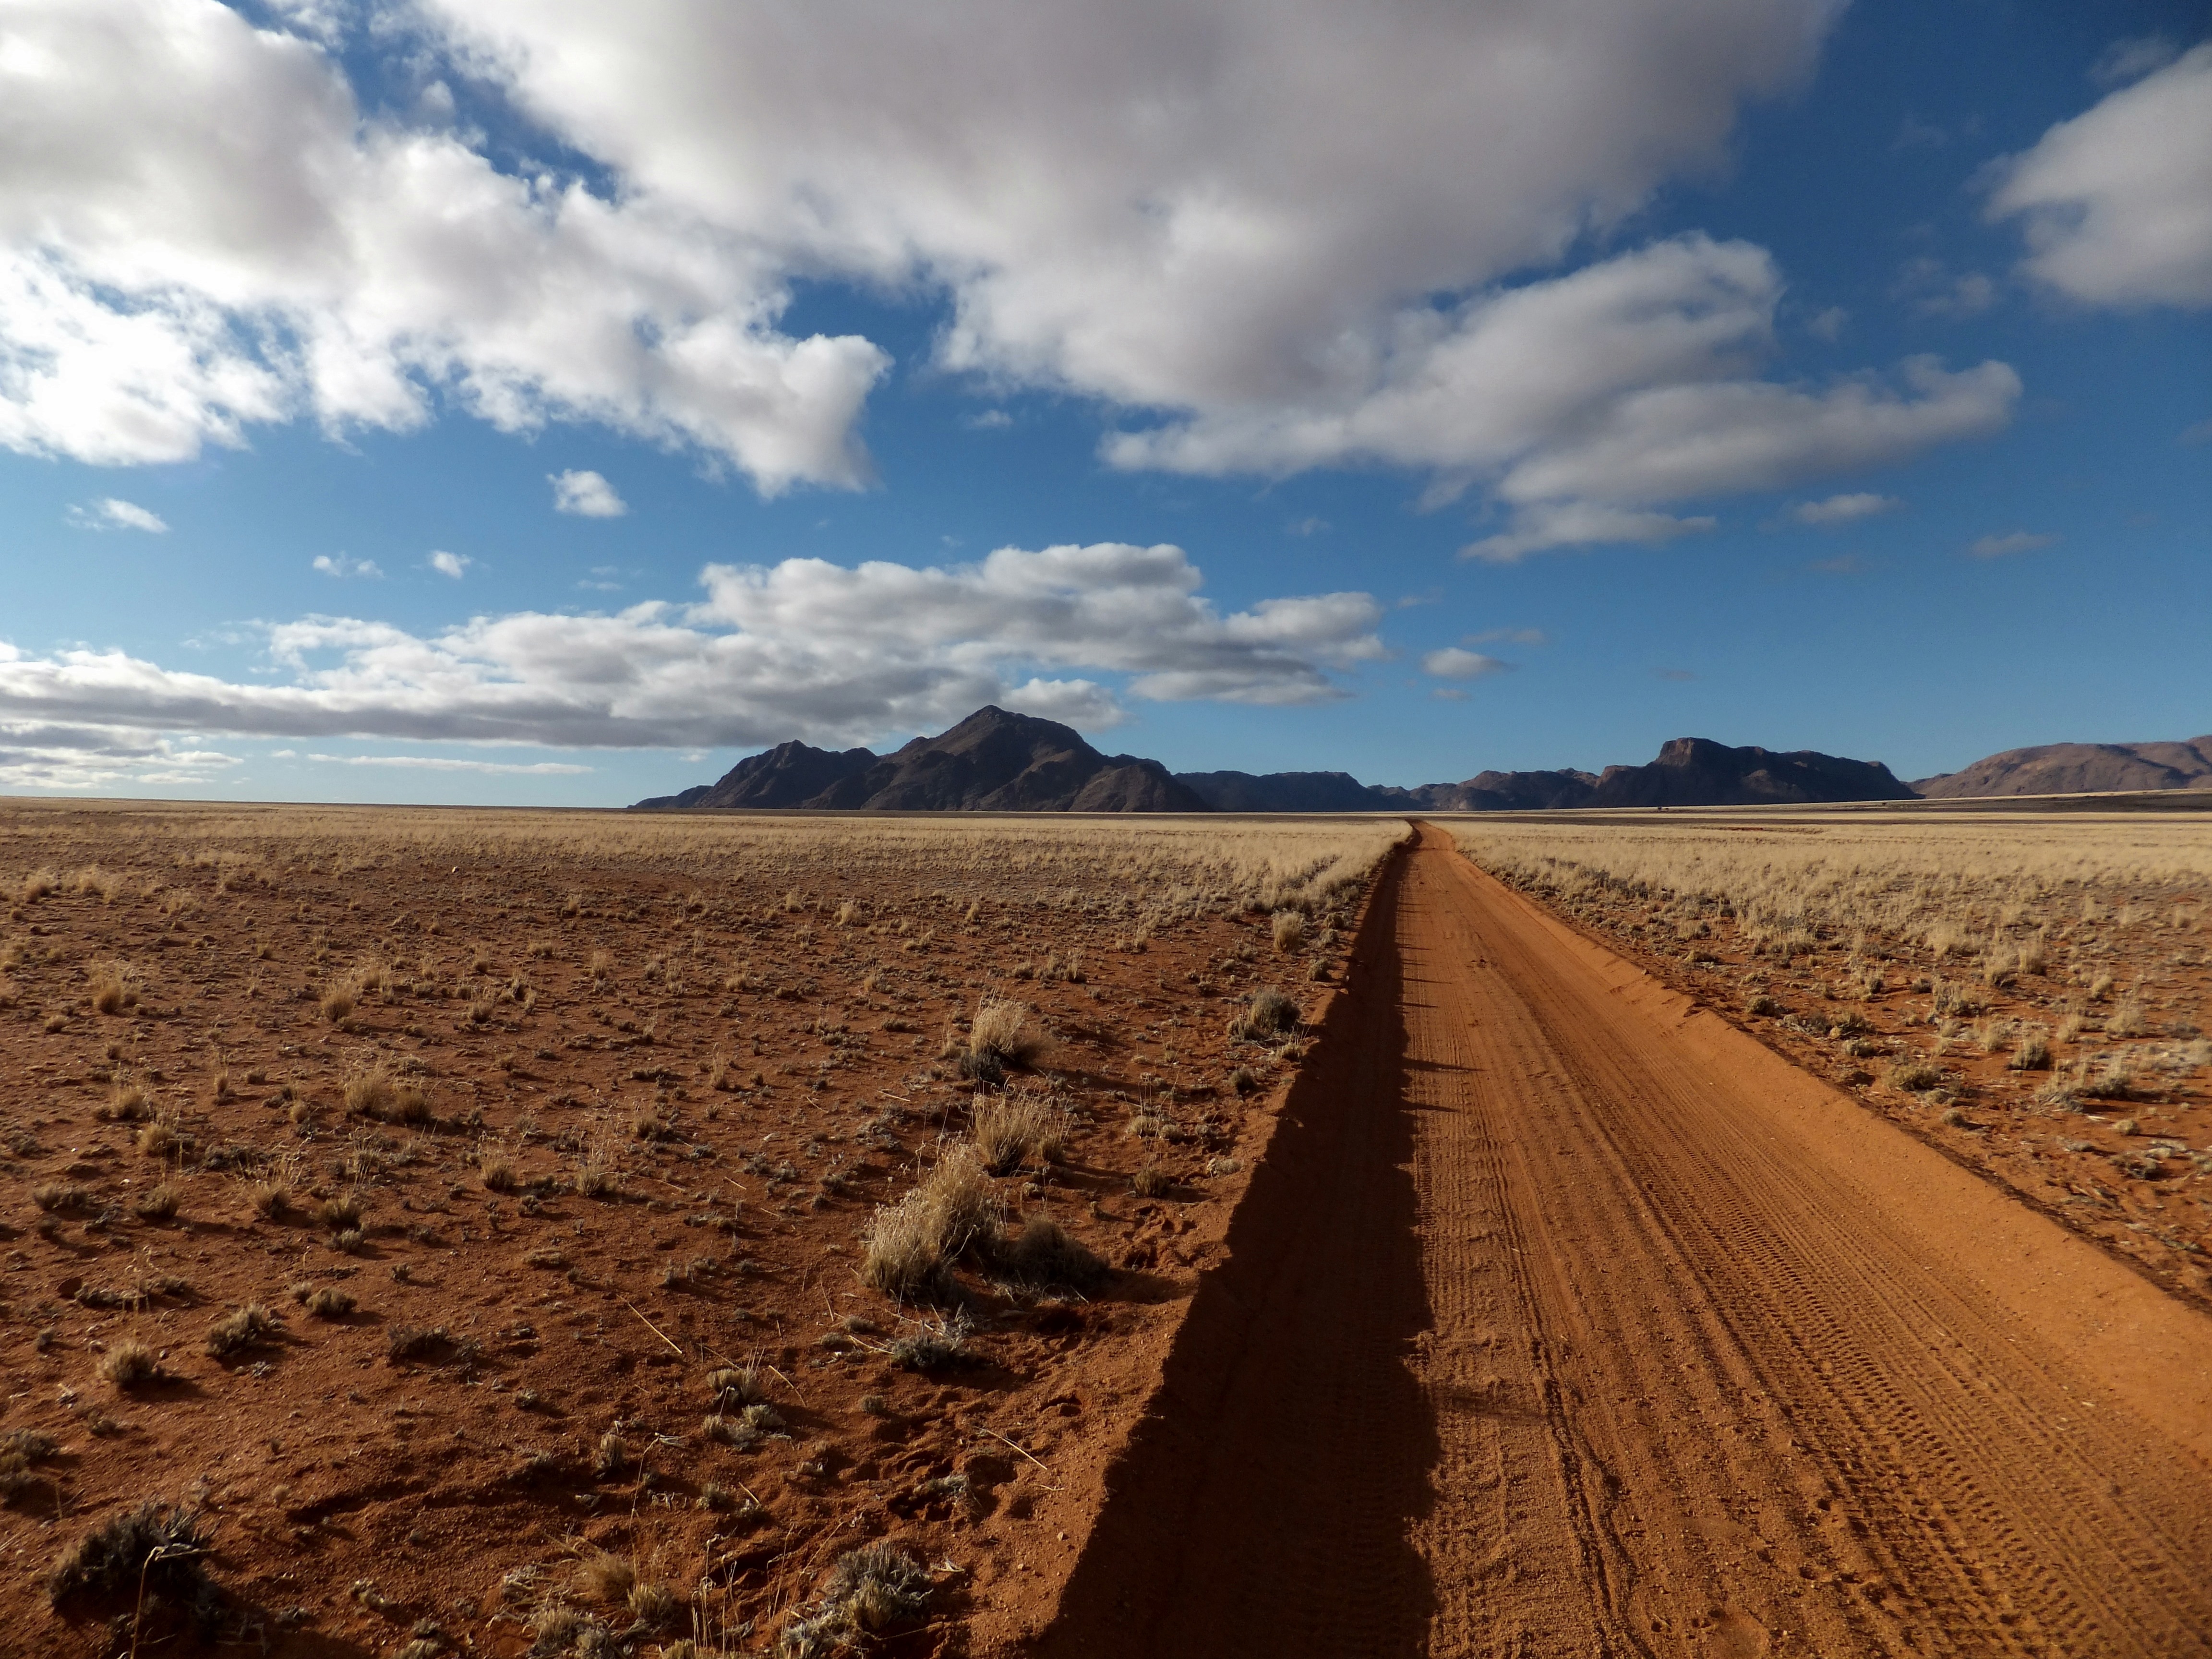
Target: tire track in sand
{"type": "Point", "coordinates": [1542, 1334]}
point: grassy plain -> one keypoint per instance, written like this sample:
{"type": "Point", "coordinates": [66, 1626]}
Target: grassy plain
{"type": "Point", "coordinates": [2029, 991]}
{"type": "Point", "coordinates": [566, 1232]}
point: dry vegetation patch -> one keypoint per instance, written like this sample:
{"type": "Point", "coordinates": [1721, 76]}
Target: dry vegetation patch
{"type": "Point", "coordinates": [733, 1198]}
{"type": "Point", "coordinates": [1997, 982]}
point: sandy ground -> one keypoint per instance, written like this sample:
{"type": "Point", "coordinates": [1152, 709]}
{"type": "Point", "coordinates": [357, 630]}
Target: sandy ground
{"type": "Point", "coordinates": [659, 1103]}
{"type": "Point", "coordinates": [1564, 1319]}
{"type": "Point", "coordinates": [1529, 1309]}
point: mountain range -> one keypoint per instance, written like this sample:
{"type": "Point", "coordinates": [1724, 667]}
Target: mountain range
{"type": "Point", "coordinates": [998, 762]}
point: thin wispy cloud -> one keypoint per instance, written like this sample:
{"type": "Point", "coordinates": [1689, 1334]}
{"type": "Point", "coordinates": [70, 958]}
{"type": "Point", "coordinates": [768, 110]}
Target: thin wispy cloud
{"type": "Point", "coordinates": [1998, 547]}
{"type": "Point", "coordinates": [1453, 664]}
{"type": "Point", "coordinates": [345, 567]}
{"type": "Point", "coordinates": [113, 513]}
{"type": "Point", "coordinates": [451, 564]}
{"type": "Point", "coordinates": [444, 764]}
{"type": "Point", "coordinates": [1844, 509]}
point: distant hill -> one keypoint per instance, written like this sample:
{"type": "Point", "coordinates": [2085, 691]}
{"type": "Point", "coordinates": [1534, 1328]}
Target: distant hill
{"type": "Point", "coordinates": [2076, 768]}
{"type": "Point", "coordinates": [1688, 772]}
{"type": "Point", "coordinates": [992, 761]}
{"type": "Point", "coordinates": [1284, 792]}
{"type": "Point", "coordinates": [1699, 772]}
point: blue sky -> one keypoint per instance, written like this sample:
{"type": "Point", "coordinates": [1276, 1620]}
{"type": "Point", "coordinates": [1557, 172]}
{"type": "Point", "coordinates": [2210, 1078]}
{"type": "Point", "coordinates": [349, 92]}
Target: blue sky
{"type": "Point", "coordinates": [1255, 386]}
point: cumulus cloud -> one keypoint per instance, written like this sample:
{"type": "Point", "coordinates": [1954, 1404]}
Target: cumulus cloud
{"type": "Point", "coordinates": [1997, 547]}
{"type": "Point", "coordinates": [586, 494]}
{"type": "Point", "coordinates": [803, 648]}
{"type": "Point", "coordinates": [1230, 220]}
{"type": "Point", "coordinates": [1619, 386]}
{"type": "Point", "coordinates": [1844, 509]}
{"type": "Point", "coordinates": [1453, 664]}
{"type": "Point", "coordinates": [1202, 211]}
{"type": "Point", "coordinates": [1156, 203]}
{"type": "Point", "coordinates": [2116, 204]}
{"type": "Point", "coordinates": [114, 514]}
{"type": "Point", "coordinates": [344, 565]}
{"type": "Point", "coordinates": [202, 231]}
{"type": "Point", "coordinates": [451, 564]}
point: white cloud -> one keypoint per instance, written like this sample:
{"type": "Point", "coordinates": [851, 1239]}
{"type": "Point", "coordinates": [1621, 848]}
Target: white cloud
{"type": "Point", "coordinates": [1453, 664]}
{"type": "Point", "coordinates": [2132, 58]}
{"type": "Point", "coordinates": [342, 565]}
{"type": "Point", "coordinates": [2116, 204]}
{"type": "Point", "coordinates": [444, 764]}
{"type": "Point", "coordinates": [41, 755]}
{"type": "Point", "coordinates": [114, 514]}
{"type": "Point", "coordinates": [1510, 635]}
{"type": "Point", "coordinates": [1548, 525]}
{"type": "Point", "coordinates": [1159, 205]}
{"type": "Point", "coordinates": [450, 564]}
{"type": "Point", "coordinates": [201, 231]}
{"type": "Point", "coordinates": [1196, 210]}
{"type": "Point", "coordinates": [803, 648]}
{"type": "Point", "coordinates": [1828, 324]}
{"type": "Point", "coordinates": [1623, 384]}
{"type": "Point", "coordinates": [1844, 509]}
{"type": "Point", "coordinates": [1997, 547]}
{"type": "Point", "coordinates": [586, 494]}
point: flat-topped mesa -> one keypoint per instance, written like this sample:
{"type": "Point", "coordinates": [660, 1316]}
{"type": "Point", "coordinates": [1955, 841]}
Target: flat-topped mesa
{"type": "Point", "coordinates": [994, 761]}
{"type": "Point", "coordinates": [1699, 772]}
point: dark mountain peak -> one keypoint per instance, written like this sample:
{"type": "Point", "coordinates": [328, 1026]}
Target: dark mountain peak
{"type": "Point", "coordinates": [994, 761]}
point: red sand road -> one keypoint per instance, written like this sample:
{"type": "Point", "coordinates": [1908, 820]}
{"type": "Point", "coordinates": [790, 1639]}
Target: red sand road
{"type": "Point", "coordinates": [1563, 1319]}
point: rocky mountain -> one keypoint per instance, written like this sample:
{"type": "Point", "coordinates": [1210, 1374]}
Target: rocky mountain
{"type": "Point", "coordinates": [992, 761]}
{"type": "Point", "coordinates": [789, 775]}
{"type": "Point", "coordinates": [1699, 772]}
{"type": "Point", "coordinates": [2075, 768]}
{"type": "Point", "coordinates": [1285, 791]}
{"type": "Point", "coordinates": [1688, 772]}
{"type": "Point", "coordinates": [1502, 791]}
{"type": "Point", "coordinates": [996, 761]}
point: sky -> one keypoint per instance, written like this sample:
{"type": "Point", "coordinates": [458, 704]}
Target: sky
{"type": "Point", "coordinates": [551, 402]}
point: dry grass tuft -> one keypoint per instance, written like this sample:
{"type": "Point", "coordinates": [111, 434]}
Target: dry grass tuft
{"type": "Point", "coordinates": [251, 1326]}
{"type": "Point", "coordinates": [322, 1303]}
{"type": "Point", "coordinates": [1288, 930]}
{"type": "Point", "coordinates": [157, 1203]}
{"type": "Point", "coordinates": [1006, 1033]}
{"type": "Point", "coordinates": [1013, 1126]}
{"type": "Point", "coordinates": [157, 1549]}
{"type": "Point", "coordinates": [1045, 1253]}
{"type": "Point", "coordinates": [130, 1363]}
{"type": "Point", "coordinates": [869, 1590]}
{"type": "Point", "coordinates": [113, 987]}
{"type": "Point", "coordinates": [912, 1245]}
{"type": "Point", "coordinates": [1269, 1013]}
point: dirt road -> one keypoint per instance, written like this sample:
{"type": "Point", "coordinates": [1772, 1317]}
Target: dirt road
{"type": "Point", "coordinates": [1563, 1320]}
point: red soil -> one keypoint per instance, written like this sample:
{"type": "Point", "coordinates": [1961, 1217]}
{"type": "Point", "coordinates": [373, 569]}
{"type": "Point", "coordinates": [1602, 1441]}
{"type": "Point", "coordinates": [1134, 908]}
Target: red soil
{"type": "Point", "coordinates": [360, 1498]}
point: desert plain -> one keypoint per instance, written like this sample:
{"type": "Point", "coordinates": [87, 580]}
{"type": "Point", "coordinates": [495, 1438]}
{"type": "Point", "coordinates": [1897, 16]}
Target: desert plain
{"type": "Point", "coordinates": [448, 1232]}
